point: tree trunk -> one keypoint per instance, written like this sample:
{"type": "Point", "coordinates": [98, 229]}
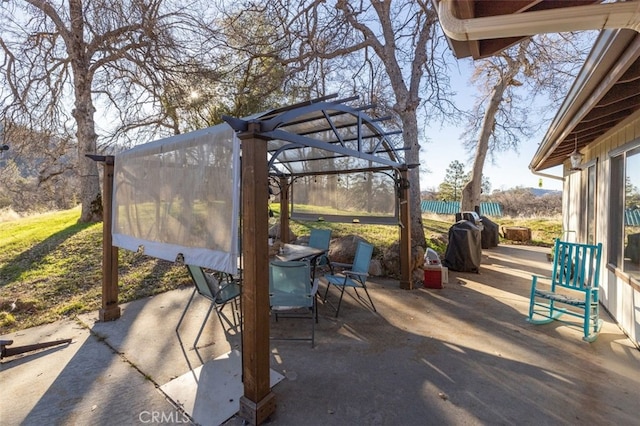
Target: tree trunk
{"type": "Point", "coordinates": [90, 196]}
{"type": "Point", "coordinates": [472, 190]}
{"type": "Point", "coordinates": [412, 156]}
{"type": "Point", "coordinates": [83, 114]}
{"type": "Point", "coordinates": [406, 96]}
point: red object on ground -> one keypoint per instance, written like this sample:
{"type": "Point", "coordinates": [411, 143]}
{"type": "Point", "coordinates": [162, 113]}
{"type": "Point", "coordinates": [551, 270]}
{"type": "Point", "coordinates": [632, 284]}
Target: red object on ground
{"type": "Point", "coordinates": [433, 277]}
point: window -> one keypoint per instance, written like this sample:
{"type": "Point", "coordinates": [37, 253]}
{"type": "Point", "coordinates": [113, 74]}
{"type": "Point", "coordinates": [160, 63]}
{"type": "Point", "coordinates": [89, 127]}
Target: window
{"type": "Point", "coordinates": [624, 235]}
{"type": "Point", "coordinates": [588, 228]}
{"type": "Point", "coordinates": [590, 225]}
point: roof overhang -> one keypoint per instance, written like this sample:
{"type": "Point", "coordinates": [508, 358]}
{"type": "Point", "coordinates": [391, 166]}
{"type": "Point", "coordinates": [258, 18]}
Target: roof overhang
{"type": "Point", "coordinates": [607, 89]}
{"type": "Point", "coordinates": [605, 93]}
{"type": "Point", "coordinates": [483, 28]}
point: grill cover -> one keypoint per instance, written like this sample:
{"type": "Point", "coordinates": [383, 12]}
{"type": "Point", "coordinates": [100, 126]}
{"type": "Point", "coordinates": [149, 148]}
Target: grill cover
{"type": "Point", "coordinates": [464, 250]}
{"type": "Point", "coordinates": [490, 233]}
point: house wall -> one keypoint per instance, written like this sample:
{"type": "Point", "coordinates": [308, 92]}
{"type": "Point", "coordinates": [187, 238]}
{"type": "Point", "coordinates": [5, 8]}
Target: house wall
{"type": "Point", "coordinates": [619, 294]}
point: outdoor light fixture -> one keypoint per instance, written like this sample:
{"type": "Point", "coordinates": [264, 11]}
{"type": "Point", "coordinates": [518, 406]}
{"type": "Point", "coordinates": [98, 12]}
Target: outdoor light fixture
{"type": "Point", "coordinates": [575, 157]}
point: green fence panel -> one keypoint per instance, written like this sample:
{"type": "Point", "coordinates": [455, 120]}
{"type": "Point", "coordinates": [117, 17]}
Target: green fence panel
{"type": "Point", "coordinates": [453, 207]}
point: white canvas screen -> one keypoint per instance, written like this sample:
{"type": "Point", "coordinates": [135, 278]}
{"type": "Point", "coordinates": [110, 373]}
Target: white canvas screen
{"type": "Point", "coordinates": [180, 195]}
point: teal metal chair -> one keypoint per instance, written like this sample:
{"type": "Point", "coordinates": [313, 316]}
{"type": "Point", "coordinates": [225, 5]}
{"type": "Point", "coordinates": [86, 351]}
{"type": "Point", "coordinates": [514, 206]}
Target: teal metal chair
{"type": "Point", "coordinates": [320, 239]}
{"type": "Point", "coordinates": [571, 290]}
{"type": "Point", "coordinates": [292, 293]}
{"type": "Point", "coordinates": [355, 277]}
{"type": "Point", "coordinates": [220, 289]}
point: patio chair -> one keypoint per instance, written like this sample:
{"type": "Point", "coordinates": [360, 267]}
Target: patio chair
{"type": "Point", "coordinates": [292, 293]}
{"type": "Point", "coordinates": [356, 277]}
{"type": "Point", "coordinates": [320, 239]}
{"type": "Point", "coordinates": [220, 289]}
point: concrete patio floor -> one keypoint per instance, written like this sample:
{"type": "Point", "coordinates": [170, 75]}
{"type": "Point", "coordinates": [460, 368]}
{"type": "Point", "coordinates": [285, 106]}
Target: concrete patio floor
{"type": "Point", "coordinates": [460, 355]}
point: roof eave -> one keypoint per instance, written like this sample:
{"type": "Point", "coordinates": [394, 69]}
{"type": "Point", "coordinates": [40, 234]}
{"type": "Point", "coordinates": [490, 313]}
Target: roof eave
{"type": "Point", "coordinates": [601, 70]}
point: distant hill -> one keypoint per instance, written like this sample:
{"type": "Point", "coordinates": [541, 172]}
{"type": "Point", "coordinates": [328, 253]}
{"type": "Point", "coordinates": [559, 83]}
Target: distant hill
{"type": "Point", "coordinates": [539, 192]}
{"type": "Point", "coordinates": [514, 202]}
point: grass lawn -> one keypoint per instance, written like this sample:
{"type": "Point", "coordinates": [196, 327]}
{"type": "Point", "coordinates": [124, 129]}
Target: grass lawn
{"type": "Point", "coordinates": [51, 265]}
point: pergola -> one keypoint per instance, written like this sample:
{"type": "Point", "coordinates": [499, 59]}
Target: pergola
{"type": "Point", "coordinates": [306, 139]}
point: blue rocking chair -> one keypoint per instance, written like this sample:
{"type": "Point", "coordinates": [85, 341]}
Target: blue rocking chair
{"type": "Point", "coordinates": [572, 288]}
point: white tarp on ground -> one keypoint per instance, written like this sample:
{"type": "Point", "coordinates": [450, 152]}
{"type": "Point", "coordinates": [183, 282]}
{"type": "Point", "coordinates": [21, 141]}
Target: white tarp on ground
{"type": "Point", "coordinates": [180, 195]}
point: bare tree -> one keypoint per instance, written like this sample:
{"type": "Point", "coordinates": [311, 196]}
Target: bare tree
{"type": "Point", "coordinates": [510, 83]}
{"type": "Point", "coordinates": [398, 38]}
{"type": "Point", "coordinates": [61, 60]}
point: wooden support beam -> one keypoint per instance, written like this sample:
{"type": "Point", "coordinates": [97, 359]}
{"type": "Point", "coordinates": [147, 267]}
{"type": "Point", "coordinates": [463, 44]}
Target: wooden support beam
{"type": "Point", "coordinates": [110, 309]}
{"type": "Point", "coordinates": [285, 187]}
{"type": "Point", "coordinates": [406, 281]}
{"type": "Point", "coordinates": [258, 402]}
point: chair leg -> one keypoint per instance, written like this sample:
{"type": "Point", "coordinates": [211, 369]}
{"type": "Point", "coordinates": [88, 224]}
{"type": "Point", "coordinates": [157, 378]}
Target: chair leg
{"type": "Point", "coordinates": [223, 318]}
{"type": "Point", "coordinates": [340, 301]}
{"type": "Point", "coordinates": [362, 299]}
{"type": "Point", "coordinates": [551, 309]}
{"type": "Point", "coordinates": [185, 309]}
{"type": "Point", "coordinates": [592, 322]}
{"type": "Point", "coordinates": [326, 292]}
{"type": "Point", "coordinates": [206, 317]}
{"type": "Point", "coordinates": [370, 300]}
{"type": "Point", "coordinates": [237, 308]}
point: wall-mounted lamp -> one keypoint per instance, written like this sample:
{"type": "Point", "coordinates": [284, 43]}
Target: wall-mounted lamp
{"type": "Point", "coordinates": [575, 157]}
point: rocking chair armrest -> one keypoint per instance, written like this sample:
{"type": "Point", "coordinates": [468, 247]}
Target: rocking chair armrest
{"type": "Point", "coordinates": [543, 280]}
{"type": "Point", "coordinates": [540, 277]}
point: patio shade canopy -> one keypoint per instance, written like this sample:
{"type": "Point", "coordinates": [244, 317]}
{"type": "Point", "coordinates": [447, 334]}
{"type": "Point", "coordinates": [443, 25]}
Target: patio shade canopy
{"type": "Point", "coordinates": [319, 137]}
{"type": "Point", "coordinates": [179, 198]}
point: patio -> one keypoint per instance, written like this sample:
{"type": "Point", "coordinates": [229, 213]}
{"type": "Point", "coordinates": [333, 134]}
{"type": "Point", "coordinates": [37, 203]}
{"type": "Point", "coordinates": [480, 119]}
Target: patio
{"type": "Point", "coordinates": [460, 355]}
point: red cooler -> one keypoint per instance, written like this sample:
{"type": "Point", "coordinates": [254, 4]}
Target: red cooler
{"type": "Point", "coordinates": [432, 269]}
{"type": "Point", "coordinates": [433, 276]}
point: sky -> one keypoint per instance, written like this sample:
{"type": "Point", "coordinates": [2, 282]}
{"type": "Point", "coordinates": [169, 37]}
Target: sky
{"type": "Point", "coordinates": [511, 169]}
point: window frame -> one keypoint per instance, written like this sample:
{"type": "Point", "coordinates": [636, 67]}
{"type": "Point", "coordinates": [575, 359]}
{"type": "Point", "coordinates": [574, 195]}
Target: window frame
{"type": "Point", "coordinates": [617, 237]}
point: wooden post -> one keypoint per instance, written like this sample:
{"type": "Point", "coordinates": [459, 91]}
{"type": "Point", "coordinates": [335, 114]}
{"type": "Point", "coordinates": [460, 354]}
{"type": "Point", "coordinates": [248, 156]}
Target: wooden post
{"type": "Point", "coordinates": [110, 309]}
{"type": "Point", "coordinates": [406, 281]}
{"type": "Point", "coordinates": [258, 402]}
{"type": "Point", "coordinates": [284, 209]}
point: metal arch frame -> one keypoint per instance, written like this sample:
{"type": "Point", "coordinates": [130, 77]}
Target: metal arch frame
{"type": "Point", "coordinates": [270, 129]}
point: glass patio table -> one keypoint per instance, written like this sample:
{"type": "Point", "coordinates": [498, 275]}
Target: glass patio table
{"type": "Point", "coordinates": [292, 252]}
